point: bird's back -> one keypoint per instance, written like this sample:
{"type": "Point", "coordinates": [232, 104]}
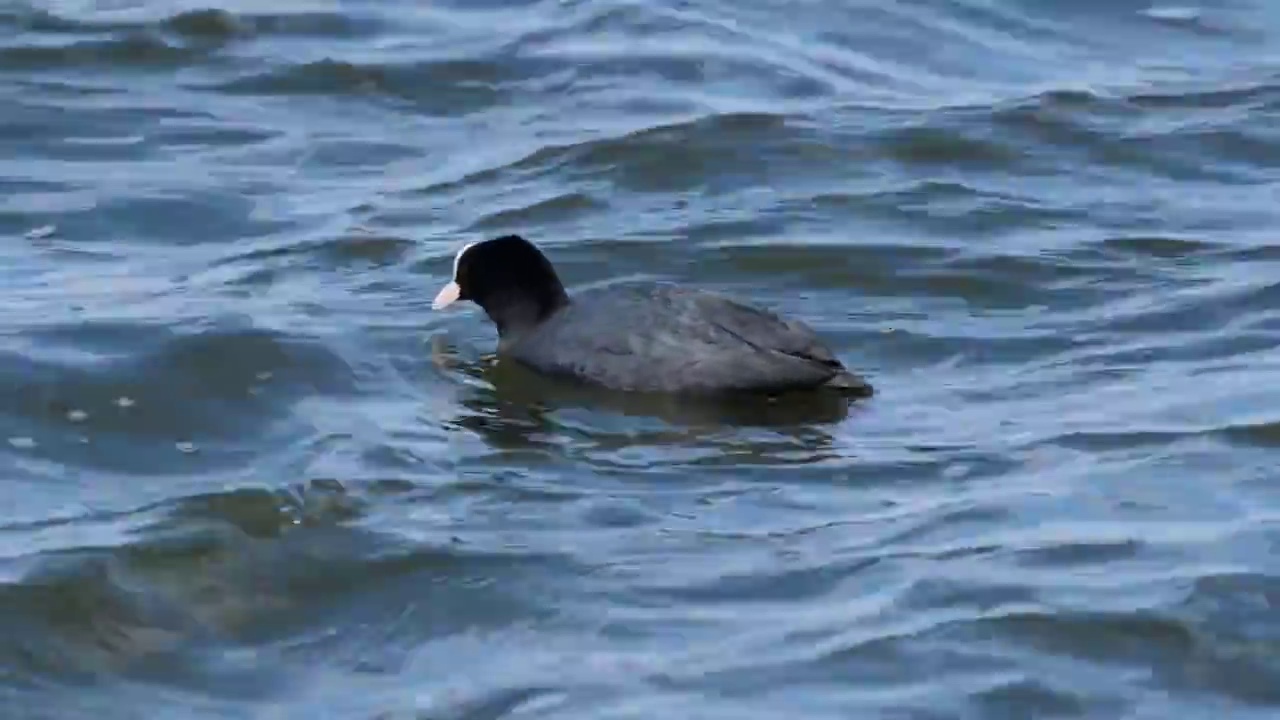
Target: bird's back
{"type": "Point", "coordinates": [665, 338]}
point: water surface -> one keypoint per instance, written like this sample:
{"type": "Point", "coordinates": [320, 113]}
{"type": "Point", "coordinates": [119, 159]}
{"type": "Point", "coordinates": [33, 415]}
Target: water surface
{"type": "Point", "coordinates": [250, 474]}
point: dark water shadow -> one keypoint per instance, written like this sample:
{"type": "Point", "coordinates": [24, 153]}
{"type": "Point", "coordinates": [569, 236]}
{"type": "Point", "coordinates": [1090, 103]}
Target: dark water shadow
{"type": "Point", "coordinates": [523, 391]}
{"type": "Point", "coordinates": [533, 420]}
{"type": "Point", "coordinates": [514, 383]}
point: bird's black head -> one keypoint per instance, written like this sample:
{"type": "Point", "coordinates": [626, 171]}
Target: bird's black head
{"type": "Point", "coordinates": [509, 278]}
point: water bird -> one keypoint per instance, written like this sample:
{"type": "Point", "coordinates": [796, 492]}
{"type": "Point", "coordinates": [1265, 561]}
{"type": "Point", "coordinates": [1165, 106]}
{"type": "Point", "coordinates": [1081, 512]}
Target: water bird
{"type": "Point", "coordinates": [638, 336]}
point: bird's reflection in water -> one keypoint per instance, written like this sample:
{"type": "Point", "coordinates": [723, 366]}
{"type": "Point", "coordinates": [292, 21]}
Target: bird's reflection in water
{"type": "Point", "coordinates": [514, 407]}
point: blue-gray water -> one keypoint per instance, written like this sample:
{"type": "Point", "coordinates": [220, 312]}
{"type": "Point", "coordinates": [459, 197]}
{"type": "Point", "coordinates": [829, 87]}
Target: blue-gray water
{"type": "Point", "coordinates": [248, 473]}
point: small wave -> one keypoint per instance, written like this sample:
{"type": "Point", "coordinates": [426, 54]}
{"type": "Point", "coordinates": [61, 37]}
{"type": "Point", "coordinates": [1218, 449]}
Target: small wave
{"type": "Point", "coordinates": [161, 387]}
{"type": "Point", "coordinates": [212, 573]}
{"type": "Point", "coordinates": [207, 24]}
{"type": "Point", "coordinates": [133, 50]}
{"type": "Point", "coordinates": [544, 213]}
{"type": "Point", "coordinates": [1105, 135]}
{"type": "Point", "coordinates": [674, 155]}
{"type": "Point", "coordinates": [357, 246]}
{"type": "Point", "coordinates": [959, 209]}
{"type": "Point", "coordinates": [1179, 652]}
{"type": "Point", "coordinates": [446, 87]}
{"type": "Point", "coordinates": [1258, 96]}
{"type": "Point", "coordinates": [1159, 247]}
{"type": "Point", "coordinates": [1201, 306]}
{"type": "Point", "coordinates": [941, 146]}
{"type": "Point", "coordinates": [220, 24]}
{"type": "Point", "coordinates": [1264, 434]}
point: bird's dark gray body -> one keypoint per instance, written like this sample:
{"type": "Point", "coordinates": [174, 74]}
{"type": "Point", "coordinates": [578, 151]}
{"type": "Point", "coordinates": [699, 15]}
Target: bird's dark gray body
{"type": "Point", "coordinates": [664, 338]}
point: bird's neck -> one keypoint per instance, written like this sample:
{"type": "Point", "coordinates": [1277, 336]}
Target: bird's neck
{"type": "Point", "coordinates": [515, 312]}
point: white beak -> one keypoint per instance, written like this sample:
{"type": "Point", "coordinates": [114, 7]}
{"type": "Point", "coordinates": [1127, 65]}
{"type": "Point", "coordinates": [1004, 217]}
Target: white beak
{"type": "Point", "coordinates": [447, 296]}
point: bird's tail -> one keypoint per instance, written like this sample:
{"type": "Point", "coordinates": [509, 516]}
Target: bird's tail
{"type": "Point", "coordinates": [850, 384]}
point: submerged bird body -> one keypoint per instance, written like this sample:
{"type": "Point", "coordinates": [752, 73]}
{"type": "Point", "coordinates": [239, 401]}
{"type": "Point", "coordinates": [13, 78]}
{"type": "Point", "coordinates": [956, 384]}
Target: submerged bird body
{"type": "Point", "coordinates": [639, 336]}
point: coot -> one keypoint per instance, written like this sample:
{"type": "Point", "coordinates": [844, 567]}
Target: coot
{"type": "Point", "coordinates": [638, 336]}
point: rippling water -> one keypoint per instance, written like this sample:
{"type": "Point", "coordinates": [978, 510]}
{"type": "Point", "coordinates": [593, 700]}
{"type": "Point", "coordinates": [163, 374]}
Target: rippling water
{"type": "Point", "coordinates": [250, 474]}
